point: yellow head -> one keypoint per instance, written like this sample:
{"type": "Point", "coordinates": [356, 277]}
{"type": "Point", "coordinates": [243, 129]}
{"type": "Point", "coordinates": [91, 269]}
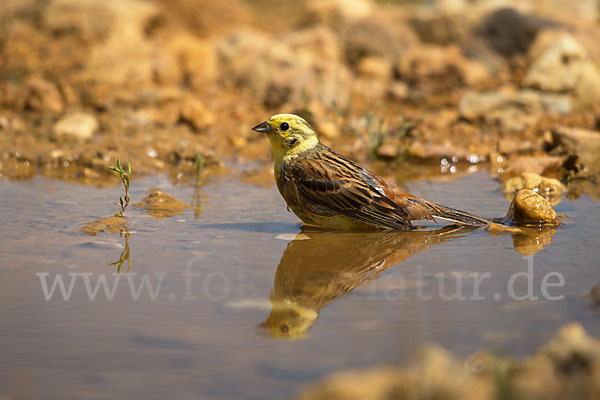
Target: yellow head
{"type": "Point", "coordinates": [289, 134]}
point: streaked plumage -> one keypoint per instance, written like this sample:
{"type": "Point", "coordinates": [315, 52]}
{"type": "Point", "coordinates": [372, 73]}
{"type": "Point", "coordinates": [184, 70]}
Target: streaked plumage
{"type": "Point", "coordinates": [326, 189]}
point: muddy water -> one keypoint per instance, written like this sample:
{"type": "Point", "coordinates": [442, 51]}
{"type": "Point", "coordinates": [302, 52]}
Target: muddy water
{"type": "Point", "coordinates": [246, 305]}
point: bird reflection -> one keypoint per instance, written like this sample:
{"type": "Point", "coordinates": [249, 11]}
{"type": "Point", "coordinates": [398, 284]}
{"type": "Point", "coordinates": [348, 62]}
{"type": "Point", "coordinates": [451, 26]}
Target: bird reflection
{"type": "Point", "coordinates": [317, 267]}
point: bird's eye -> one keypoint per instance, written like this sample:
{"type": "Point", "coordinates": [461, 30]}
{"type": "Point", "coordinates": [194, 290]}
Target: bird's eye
{"type": "Point", "coordinates": [284, 126]}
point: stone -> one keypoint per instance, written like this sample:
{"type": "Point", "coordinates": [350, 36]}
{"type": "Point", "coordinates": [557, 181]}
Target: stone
{"type": "Point", "coordinates": [78, 126]}
{"type": "Point", "coordinates": [547, 187]}
{"type": "Point", "coordinates": [512, 111]}
{"type": "Point", "coordinates": [378, 68]}
{"type": "Point", "coordinates": [161, 205]}
{"type": "Point", "coordinates": [561, 64]}
{"type": "Point", "coordinates": [109, 224]}
{"type": "Point", "coordinates": [187, 60]}
{"type": "Point", "coordinates": [529, 208]}
{"type": "Point", "coordinates": [89, 19]}
{"type": "Point", "coordinates": [540, 165]}
{"type": "Point", "coordinates": [124, 57]}
{"type": "Point", "coordinates": [583, 143]}
{"type": "Point", "coordinates": [196, 114]}
{"type": "Point", "coordinates": [442, 24]}
{"type": "Point", "coordinates": [397, 90]}
{"type": "Point", "coordinates": [509, 32]}
{"type": "Point", "coordinates": [571, 348]}
{"type": "Point", "coordinates": [300, 65]}
{"type": "Point", "coordinates": [338, 11]}
{"type": "Point", "coordinates": [440, 68]}
{"type": "Point", "coordinates": [437, 152]}
{"type": "Point", "coordinates": [381, 35]}
{"type": "Point", "coordinates": [43, 95]}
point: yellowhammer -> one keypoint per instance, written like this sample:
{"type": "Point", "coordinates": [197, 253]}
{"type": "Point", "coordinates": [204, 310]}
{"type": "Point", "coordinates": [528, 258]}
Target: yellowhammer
{"type": "Point", "coordinates": [326, 189]}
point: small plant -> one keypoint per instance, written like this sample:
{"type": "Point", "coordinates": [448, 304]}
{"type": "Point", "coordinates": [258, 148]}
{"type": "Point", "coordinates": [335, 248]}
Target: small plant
{"type": "Point", "coordinates": [197, 201]}
{"type": "Point", "coordinates": [198, 165]}
{"type": "Point", "coordinates": [376, 133]}
{"type": "Point", "coordinates": [125, 178]}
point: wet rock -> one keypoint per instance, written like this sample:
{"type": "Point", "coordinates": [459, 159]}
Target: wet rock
{"type": "Point", "coordinates": [583, 143]}
{"type": "Point", "coordinates": [512, 111]}
{"type": "Point", "coordinates": [17, 167]}
{"type": "Point", "coordinates": [110, 224]}
{"type": "Point", "coordinates": [196, 114]}
{"type": "Point", "coordinates": [562, 64]}
{"type": "Point", "coordinates": [76, 126]}
{"type": "Point", "coordinates": [43, 95]}
{"type": "Point", "coordinates": [529, 208]}
{"type": "Point", "coordinates": [437, 152]}
{"type": "Point", "coordinates": [509, 32]}
{"type": "Point", "coordinates": [547, 187]}
{"type": "Point", "coordinates": [160, 205]}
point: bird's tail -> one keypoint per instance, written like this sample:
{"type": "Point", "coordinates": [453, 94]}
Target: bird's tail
{"type": "Point", "coordinates": [452, 215]}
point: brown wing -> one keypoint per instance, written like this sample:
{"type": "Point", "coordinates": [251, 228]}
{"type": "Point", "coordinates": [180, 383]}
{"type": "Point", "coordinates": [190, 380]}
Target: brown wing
{"type": "Point", "coordinates": [329, 184]}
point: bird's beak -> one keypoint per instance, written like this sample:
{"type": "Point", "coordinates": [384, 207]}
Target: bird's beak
{"type": "Point", "coordinates": [262, 127]}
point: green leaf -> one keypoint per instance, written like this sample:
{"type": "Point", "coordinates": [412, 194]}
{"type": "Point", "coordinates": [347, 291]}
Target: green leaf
{"type": "Point", "coordinates": [112, 168]}
{"type": "Point", "coordinates": [119, 164]}
{"type": "Point", "coordinates": [129, 168]}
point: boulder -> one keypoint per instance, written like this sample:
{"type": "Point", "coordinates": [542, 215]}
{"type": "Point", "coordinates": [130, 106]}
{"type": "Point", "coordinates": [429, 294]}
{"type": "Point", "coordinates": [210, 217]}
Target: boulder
{"type": "Point", "coordinates": [561, 64]}
{"type": "Point", "coordinates": [78, 126]}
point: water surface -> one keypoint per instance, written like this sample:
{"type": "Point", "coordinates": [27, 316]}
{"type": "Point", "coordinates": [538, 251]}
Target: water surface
{"type": "Point", "coordinates": [268, 307]}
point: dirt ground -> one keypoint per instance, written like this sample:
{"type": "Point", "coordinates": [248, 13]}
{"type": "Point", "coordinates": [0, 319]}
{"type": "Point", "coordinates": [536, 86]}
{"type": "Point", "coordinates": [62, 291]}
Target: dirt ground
{"type": "Point", "coordinates": [415, 89]}
{"type": "Point", "coordinates": [418, 90]}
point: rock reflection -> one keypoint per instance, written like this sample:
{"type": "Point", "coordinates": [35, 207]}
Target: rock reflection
{"type": "Point", "coordinates": [317, 267]}
{"type": "Point", "coordinates": [528, 241]}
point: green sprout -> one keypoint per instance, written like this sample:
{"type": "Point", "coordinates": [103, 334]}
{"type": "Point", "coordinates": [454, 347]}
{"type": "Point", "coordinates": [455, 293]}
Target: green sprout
{"type": "Point", "coordinates": [197, 200]}
{"type": "Point", "coordinates": [198, 164]}
{"type": "Point", "coordinates": [125, 178]}
{"type": "Point", "coordinates": [376, 133]}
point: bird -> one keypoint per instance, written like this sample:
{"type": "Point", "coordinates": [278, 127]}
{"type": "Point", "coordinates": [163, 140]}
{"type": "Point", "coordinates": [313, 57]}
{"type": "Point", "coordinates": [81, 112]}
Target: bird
{"type": "Point", "coordinates": [327, 190]}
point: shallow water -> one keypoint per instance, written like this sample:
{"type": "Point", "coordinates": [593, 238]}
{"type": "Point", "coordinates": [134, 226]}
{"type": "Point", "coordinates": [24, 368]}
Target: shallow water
{"type": "Point", "coordinates": [269, 308]}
